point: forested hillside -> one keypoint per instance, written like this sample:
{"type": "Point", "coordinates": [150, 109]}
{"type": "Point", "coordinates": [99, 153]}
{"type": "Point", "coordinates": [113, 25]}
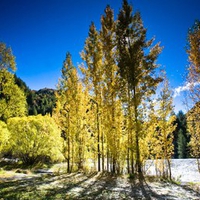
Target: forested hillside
{"type": "Point", "coordinates": [39, 102]}
{"type": "Point", "coordinates": [110, 117]}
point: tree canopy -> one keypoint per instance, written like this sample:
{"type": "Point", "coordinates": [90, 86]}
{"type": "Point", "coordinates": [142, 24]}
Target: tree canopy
{"type": "Point", "coordinates": [12, 98]}
{"type": "Point", "coordinates": [4, 136]}
{"type": "Point", "coordinates": [35, 138]}
{"type": "Point", "coordinates": [104, 115]}
{"type": "Point", "coordinates": [7, 59]}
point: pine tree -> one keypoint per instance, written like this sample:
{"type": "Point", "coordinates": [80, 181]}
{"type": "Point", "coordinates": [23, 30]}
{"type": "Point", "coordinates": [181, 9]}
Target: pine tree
{"type": "Point", "coordinates": [181, 137]}
{"type": "Point", "coordinates": [136, 68]}
{"type": "Point", "coordinates": [182, 144]}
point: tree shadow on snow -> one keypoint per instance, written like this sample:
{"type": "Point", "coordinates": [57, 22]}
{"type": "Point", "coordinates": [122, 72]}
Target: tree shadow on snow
{"type": "Point", "coordinates": [82, 186]}
{"type": "Point", "coordinates": [140, 189]}
{"type": "Point", "coordinates": [101, 187]}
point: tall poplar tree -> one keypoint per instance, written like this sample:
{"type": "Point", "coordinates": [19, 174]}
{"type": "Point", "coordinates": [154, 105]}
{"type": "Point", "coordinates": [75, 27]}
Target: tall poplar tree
{"type": "Point", "coordinates": [137, 65]}
{"type": "Point", "coordinates": [92, 55]}
{"type": "Point", "coordinates": [193, 51]}
{"type": "Point", "coordinates": [68, 114]}
{"type": "Point", "coordinates": [193, 119]}
{"type": "Point", "coordinates": [165, 129]}
{"type": "Point", "coordinates": [111, 102]}
{"type": "Point", "coordinates": [193, 123]}
{"type": "Point", "coordinates": [151, 129]}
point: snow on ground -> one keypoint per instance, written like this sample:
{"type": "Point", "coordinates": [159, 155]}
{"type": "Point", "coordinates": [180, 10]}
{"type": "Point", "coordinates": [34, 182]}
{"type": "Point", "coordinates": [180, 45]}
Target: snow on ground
{"type": "Point", "coordinates": [183, 170]}
{"type": "Point", "coordinates": [105, 186]}
{"type": "Point", "coordinates": [53, 184]}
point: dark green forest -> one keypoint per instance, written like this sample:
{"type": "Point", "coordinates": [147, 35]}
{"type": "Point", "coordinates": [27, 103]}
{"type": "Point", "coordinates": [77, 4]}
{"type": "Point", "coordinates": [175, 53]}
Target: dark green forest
{"type": "Point", "coordinates": [39, 102]}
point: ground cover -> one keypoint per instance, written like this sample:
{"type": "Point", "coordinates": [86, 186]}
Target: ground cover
{"type": "Point", "coordinates": [54, 183]}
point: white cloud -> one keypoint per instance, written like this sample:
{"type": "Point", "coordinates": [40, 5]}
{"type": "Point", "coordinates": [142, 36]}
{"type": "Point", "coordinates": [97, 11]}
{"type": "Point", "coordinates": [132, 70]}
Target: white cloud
{"type": "Point", "coordinates": [186, 87]}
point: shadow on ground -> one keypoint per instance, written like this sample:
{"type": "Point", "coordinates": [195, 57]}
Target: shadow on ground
{"type": "Point", "coordinates": [78, 186]}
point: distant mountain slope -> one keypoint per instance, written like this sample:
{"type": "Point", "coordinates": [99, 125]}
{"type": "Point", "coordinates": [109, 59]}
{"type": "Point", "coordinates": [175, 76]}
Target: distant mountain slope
{"type": "Point", "coordinates": [39, 102]}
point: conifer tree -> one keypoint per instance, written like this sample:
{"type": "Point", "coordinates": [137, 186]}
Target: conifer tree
{"type": "Point", "coordinates": [136, 68]}
{"type": "Point", "coordinates": [181, 137]}
{"type": "Point", "coordinates": [182, 144]}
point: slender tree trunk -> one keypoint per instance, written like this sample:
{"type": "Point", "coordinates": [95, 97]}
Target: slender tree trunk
{"type": "Point", "coordinates": [138, 162]}
{"type": "Point", "coordinates": [68, 144]}
{"type": "Point", "coordinates": [198, 164]}
{"type": "Point", "coordinates": [169, 168]}
{"type": "Point", "coordinates": [137, 146]}
{"type": "Point", "coordinates": [114, 165]}
{"type": "Point", "coordinates": [132, 163]}
{"type": "Point", "coordinates": [128, 160]}
{"type": "Point", "coordinates": [129, 143]}
{"type": "Point", "coordinates": [131, 156]}
{"type": "Point", "coordinates": [98, 139]}
{"type": "Point", "coordinates": [107, 157]}
{"type": "Point", "coordinates": [68, 159]}
{"type": "Point", "coordinates": [102, 144]}
{"type": "Point", "coordinates": [114, 154]}
{"type": "Point", "coordinates": [72, 157]}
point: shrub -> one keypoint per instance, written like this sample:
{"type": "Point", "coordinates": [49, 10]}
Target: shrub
{"type": "Point", "coordinates": [35, 139]}
{"type": "Point", "coordinates": [4, 136]}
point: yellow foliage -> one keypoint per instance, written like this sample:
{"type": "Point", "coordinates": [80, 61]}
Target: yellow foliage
{"type": "Point", "coordinates": [35, 136]}
{"type": "Point", "coordinates": [193, 123]}
{"type": "Point", "coordinates": [4, 136]}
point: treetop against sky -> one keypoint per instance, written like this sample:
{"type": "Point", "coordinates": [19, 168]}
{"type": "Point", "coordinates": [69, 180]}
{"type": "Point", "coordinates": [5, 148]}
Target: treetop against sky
{"type": "Point", "coordinates": [40, 33]}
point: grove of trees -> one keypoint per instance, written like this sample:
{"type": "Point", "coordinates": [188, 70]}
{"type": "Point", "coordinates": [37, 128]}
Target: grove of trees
{"type": "Point", "coordinates": [110, 117]}
{"type": "Point", "coordinates": [193, 116]}
{"type": "Point", "coordinates": [12, 98]}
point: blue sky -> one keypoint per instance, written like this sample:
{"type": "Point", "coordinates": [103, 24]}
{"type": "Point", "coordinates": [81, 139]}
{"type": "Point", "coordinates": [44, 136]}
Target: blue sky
{"type": "Point", "coordinates": [40, 32]}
